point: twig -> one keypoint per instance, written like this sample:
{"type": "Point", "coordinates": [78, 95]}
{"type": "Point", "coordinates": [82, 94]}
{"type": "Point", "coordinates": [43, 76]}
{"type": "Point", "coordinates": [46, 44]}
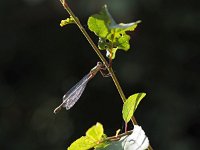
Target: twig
{"type": "Point", "coordinates": [116, 82]}
{"type": "Point", "coordinates": [114, 78]}
{"type": "Point", "coordinates": [114, 138]}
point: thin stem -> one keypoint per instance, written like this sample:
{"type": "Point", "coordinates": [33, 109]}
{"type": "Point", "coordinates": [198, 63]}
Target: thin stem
{"type": "Point", "coordinates": [113, 138]}
{"type": "Point", "coordinates": [114, 78]}
{"type": "Point", "coordinates": [121, 93]}
{"type": "Point", "coordinates": [126, 126]}
{"type": "Point", "coordinates": [76, 20]}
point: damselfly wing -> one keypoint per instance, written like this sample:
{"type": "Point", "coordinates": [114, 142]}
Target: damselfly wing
{"type": "Point", "coordinates": [73, 95]}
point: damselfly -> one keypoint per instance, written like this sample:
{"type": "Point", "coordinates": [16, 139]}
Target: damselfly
{"type": "Point", "coordinates": [72, 96]}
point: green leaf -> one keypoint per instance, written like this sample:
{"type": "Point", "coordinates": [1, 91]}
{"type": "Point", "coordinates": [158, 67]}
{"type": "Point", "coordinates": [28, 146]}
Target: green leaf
{"type": "Point", "coordinates": [92, 139]}
{"type": "Point", "coordinates": [67, 21]}
{"type": "Point", "coordinates": [98, 23]}
{"type": "Point", "coordinates": [83, 143]}
{"type": "Point", "coordinates": [112, 36]}
{"type": "Point", "coordinates": [130, 105]}
{"type": "Point", "coordinates": [122, 42]}
{"type": "Point", "coordinates": [95, 132]}
{"type": "Point", "coordinates": [122, 27]}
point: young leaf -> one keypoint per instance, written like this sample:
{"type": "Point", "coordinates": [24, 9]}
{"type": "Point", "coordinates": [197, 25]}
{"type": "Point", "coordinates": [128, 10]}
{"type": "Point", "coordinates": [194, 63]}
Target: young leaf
{"type": "Point", "coordinates": [93, 136]}
{"type": "Point", "coordinates": [130, 105]}
{"type": "Point", "coordinates": [83, 143]}
{"type": "Point", "coordinates": [95, 132]}
{"type": "Point", "coordinates": [98, 23]}
{"type": "Point", "coordinates": [67, 21]}
{"type": "Point", "coordinates": [112, 36]}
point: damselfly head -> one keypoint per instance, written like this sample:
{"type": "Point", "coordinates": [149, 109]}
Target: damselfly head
{"type": "Point", "coordinates": [99, 63]}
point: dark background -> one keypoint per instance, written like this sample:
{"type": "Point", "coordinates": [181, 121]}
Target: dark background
{"type": "Point", "coordinates": [40, 61]}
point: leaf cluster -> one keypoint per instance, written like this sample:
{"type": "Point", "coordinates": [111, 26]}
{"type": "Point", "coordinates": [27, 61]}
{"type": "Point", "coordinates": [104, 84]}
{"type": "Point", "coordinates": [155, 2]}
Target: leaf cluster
{"type": "Point", "coordinates": [112, 36]}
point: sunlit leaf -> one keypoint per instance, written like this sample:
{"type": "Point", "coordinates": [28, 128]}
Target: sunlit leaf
{"type": "Point", "coordinates": [67, 21]}
{"type": "Point", "coordinates": [95, 132]}
{"type": "Point", "coordinates": [130, 105]}
{"type": "Point", "coordinates": [98, 23]}
{"type": "Point", "coordinates": [83, 143]}
{"type": "Point", "coordinates": [93, 139]}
